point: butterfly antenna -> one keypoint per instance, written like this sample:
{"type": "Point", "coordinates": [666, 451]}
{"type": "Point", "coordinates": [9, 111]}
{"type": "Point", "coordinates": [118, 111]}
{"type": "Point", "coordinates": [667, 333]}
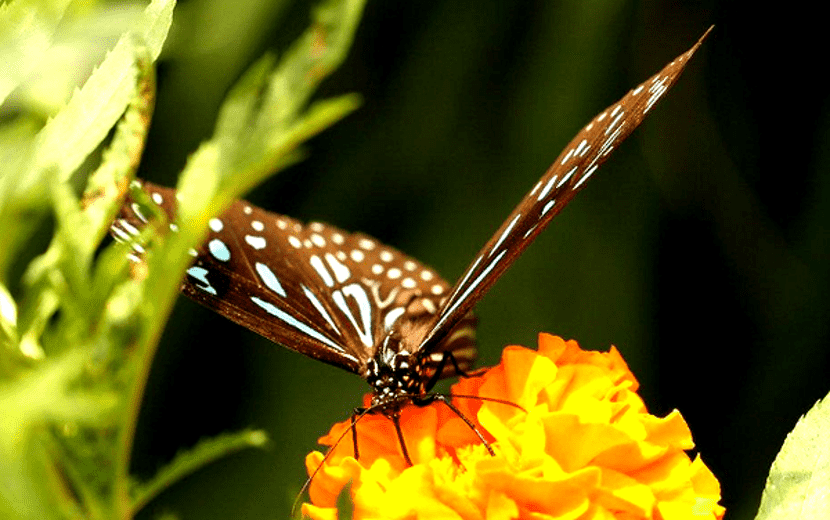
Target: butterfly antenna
{"type": "Point", "coordinates": [467, 421]}
{"type": "Point", "coordinates": [444, 398]}
{"type": "Point", "coordinates": [327, 456]}
{"type": "Point", "coordinates": [488, 399]}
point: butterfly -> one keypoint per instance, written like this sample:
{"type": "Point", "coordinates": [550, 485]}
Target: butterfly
{"type": "Point", "coordinates": [351, 301]}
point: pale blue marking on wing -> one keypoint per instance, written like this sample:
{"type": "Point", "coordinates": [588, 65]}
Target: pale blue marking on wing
{"type": "Point", "coordinates": [200, 274]}
{"type": "Point", "coordinates": [300, 326]}
{"type": "Point", "coordinates": [269, 278]}
{"type": "Point", "coordinates": [364, 307]}
{"type": "Point", "coordinates": [219, 250]}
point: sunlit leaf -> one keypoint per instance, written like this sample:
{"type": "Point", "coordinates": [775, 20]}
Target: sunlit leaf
{"type": "Point", "coordinates": [798, 486]}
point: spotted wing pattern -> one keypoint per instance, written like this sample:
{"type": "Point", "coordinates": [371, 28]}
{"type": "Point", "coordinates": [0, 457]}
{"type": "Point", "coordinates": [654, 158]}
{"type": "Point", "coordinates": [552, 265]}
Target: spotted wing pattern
{"type": "Point", "coordinates": [335, 296]}
{"type": "Point", "coordinates": [313, 288]}
{"type": "Point", "coordinates": [568, 174]}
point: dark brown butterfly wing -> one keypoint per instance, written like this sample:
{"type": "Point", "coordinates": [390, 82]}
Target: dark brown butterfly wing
{"type": "Point", "coordinates": [313, 288]}
{"type": "Point", "coordinates": [334, 296]}
{"type": "Point", "coordinates": [568, 174]}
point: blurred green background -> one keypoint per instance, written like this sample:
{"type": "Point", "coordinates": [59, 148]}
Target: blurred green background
{"type": "Point", "coordinates": [700, 249]}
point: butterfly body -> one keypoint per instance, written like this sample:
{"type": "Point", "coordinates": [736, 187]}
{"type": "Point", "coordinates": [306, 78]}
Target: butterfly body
{"type": "Point", "coordinates": [395, 377]}
{"type": "Point", "coordinates": [350, 301]}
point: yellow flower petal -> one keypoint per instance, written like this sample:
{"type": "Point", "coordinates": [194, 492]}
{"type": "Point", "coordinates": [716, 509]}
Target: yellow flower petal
{"type": "Point", "coordinates": [578, 444]}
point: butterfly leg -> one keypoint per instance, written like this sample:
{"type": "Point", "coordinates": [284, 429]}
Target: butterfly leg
{"type": "Point", "coordinates": [467, 421]}
{"type": "Point", "coordinates": [440, 368]}
{"type": "Point", "coordinates": [396, 420]}
{"type": "Point", "coordinates": [356, 413]}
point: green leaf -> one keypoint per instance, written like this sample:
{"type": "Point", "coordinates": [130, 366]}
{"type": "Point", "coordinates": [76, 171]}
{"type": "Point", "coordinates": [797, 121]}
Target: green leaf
{"type": "Point", "coordinates": [188, 461]}
{"type": "Point", "coordinates": [119, 162]}
{"type": "Point", "coordinates": [80, 340]}
{"type": "Point", "coordinates": [798, 486]}
{"type": "Point", "coordinates": [27, 28]}
{"type": "Point", "coordinates": [61, 146]}
{"type": "Point", "coordinates": [258, 133]}
{"type": "Point", "coordinates": [41, 396]}
{"type": "Point", "coordinates": [67, 139]}
{"type": "Point", "coordinates": [8, 320]}
{"type": "Point", "coordinates": [265, 117]}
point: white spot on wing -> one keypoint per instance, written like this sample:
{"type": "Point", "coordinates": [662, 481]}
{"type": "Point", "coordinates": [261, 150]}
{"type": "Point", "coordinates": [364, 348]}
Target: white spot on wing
{"type": "Point", "coordinates": [567, 156]}
{"type": "Point", "coordinates": [567, 176]}
{"type": "Point", "coordinates": [391, 317]}
{"type": "Point", "coordinates": [137, 210]}
{"type": "Point", "coordinates": [582, 144]}
{"type": "Point", "coordinates": [129, 228]}
{"type": "Point", "coordinates": [120, 234]}
{"type": "Point", "coordinates": [364, 308]}
{"type": "Point", "coordinates": [341, 272]}
{"type": "Point", "coordinates": [256, 242]}
{"type": "Point", "coordinates": [319, 306]}
{"type": "Point", "coordinates": [548, 187]}
{"type": "Point", "coordinates": [318, 240]}
{"type": "Point", "coordinates": [302, 327]}
{"type": "Point", "coordinates": [318, 266]}
{"type": "Point", "coordinates": [584, 178]}
{"type": "Point", "coordinates": [505, 233]}
{"type": "Point", "coordinates": [200, 274]}
{"type": "Point", "coordinates": [269, 278]}
{"type": "Point", "coordinates": [219, 250]}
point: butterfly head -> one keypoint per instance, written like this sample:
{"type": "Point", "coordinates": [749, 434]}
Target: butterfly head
{"type": "Point", "coordinates": [394, 375]}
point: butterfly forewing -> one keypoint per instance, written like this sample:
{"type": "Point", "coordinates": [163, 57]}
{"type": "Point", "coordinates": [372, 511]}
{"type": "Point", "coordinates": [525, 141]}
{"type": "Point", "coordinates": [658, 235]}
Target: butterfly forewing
{"type": "Point", "coordinates": [313, 288]}
{"type": "Point", "coordinates": [345, 298]}
{"type": "Point", "coordinates": [568, 174]}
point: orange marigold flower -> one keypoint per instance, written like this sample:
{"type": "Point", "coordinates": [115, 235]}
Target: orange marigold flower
{"type": "Point", "coordinates": [584, 447]}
